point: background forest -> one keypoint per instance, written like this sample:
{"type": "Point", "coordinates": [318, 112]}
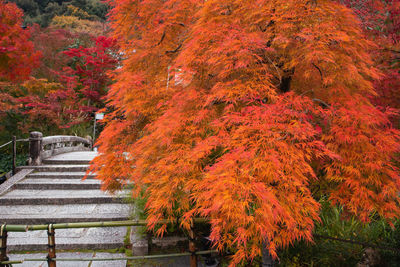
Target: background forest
{"type": "Point", "coordinates": [59, 74]}
{"type": "Point", "coordinates": [43, 12]}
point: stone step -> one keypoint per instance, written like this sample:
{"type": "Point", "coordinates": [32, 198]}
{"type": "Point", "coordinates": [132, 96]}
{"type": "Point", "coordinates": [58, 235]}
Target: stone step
{"type": "Point", "coordinates": [60, 197]}
{"type": "Point", "coordinates": [40, 183]}
{"type": "Point", "coordinates": [43, 214]}
{"type": "Point", "coordinates": [70, 255]}
{"type": "Point", "coordinates": [59, 175]}
{"type": "Point", "coordinates": [78, 157]}
{"type": "Point", "coordinates": [58, 168]}
{"type": "Point", "coordinates": [78, 238]}
{"type": "Point", "coordinates": [65, 162]}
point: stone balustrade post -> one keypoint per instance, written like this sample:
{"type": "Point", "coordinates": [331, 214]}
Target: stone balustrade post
{"type": "Point", "coordinates": [35, 147]}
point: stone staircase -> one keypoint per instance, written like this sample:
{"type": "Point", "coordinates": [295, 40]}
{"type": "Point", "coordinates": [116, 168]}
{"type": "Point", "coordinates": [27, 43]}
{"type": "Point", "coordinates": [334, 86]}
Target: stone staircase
{"type": "Point", "coordinates": [55, 193]}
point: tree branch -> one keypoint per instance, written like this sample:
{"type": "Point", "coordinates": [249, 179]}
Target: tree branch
{"type": "Point", "coordinates": [321, 102]}
{"type": "Point", "coordinates": [176, 49]}
{"type": "Point", "coordinates": [320, 72]}
{"type": "Point", "coordinates": [162, 38]}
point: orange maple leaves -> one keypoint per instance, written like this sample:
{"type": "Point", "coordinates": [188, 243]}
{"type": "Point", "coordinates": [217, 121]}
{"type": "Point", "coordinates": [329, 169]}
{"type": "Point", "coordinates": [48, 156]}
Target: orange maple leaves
{"type": "Point", "coordinates": [233, 110]}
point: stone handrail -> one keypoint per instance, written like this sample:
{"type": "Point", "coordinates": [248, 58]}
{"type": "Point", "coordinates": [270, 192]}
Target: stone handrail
{"type": "Point", "coordinates": [44, 147]}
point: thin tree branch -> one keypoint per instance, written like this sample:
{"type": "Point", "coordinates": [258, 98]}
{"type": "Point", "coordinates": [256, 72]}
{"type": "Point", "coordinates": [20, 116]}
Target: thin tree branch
{"type": "Point", "coordinates": [320, 72]}
{"type": "Point", "coordinates": [277, 70]}
{"type": "Point", "coordinates": [176, 49]}
{"type": "Point", "coordinates": [162, 38]}
{"type": "Point", "coordinates": [320, 101]}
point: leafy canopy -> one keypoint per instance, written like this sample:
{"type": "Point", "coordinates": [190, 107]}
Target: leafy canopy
{"type": "Point", "coordinates": [246, 112]}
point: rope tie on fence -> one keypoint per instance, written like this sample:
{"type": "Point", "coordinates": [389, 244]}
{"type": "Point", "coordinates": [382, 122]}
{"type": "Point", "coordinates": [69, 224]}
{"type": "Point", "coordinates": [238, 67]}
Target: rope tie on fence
{"type": "Point", "coordinates": [3, 234]}
{"type": "Point", "coordinates": [51, 234]}
{"type": "Point", "coordinates": [51, 246]}
{"type": "Point", "coordinates": [49, 259]}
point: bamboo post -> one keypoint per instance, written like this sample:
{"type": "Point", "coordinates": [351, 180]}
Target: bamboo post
{"type": "Point", "coordinates": [192, 247]}
{"type": "Point", "coordinates": [3, 248]}
{"type": "Point", "coordinates": [14, 154]}
{"type": "Point", "coordinates": [51, 246]}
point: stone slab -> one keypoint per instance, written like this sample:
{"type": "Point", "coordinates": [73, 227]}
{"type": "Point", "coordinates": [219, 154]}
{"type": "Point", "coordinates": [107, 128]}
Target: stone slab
{"type": "Point", "coordinates": [61, 184]}
{"type": "Point", "coordinates": [58, 168]}
{"type": "Point", "coordinates": [42, 214]}
{"type": "Point", "coordinates": [60, 197]}
{"type": "Point", "coordinates": [78, 157]}
{"type": "Point", "coordinates": [58, 181]}
{"type": "Point", "coordinates": [77, 255]}
{"type": "Point", "coordinates": [8, 185]}
{"type": "Point", "coordinates": [80, 238]}
{"type": "Point", "coordinates": [81, 155]}
{"type": "Point", "coordinates": [183, 261]}
{"type": "Point", "coordinates": [59, 175]}
{"type": "Point", "coordinates": [108, 263]}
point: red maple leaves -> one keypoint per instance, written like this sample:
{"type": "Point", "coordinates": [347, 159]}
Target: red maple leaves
{"type": "Point", "coordinates": [17, 56]}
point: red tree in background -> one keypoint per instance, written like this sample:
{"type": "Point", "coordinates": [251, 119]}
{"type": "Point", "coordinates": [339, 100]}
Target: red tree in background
{"type": "Point", "coordinates": [17, 55]}
{"type": "Point", "coordinates": [51, 42]}
{"type": "Point", "coordinates": [89, 72]}
{"type": "Point", "coordinates": [49, 106]}
{"type": "Point", "coordinates": [381, 23]}
{"type": "Point", "coordinates": [53, 106]}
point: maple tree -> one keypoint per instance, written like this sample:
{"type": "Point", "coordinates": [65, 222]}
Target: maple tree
{"type": "Point", "coordinates": [54, 106]}
{"type": "Point", "coordinates": [89, 70]}
{"type": "Point", "coordinates": [48, 107]}
{"type": "Point", "coordinates": [244, 112]}
{"type": "Point", "coordinates": [17, 56]}
{"type": "Point", "coordinates": [51, 42]}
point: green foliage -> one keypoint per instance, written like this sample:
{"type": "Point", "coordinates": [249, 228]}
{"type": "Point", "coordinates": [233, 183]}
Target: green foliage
{"type": "Point", "coordinates": [6, 161]}
{"type": "Point", "coordinates": [42, 12]}
{"type": "Point", "coordinates": [336, 224]}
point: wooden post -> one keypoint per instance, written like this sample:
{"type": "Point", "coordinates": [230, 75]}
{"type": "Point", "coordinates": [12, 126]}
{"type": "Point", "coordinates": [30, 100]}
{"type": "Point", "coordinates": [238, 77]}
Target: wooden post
{"type": "Point", "coordinates": [192, 247]}
{"type": "Point", "coordinates": [51, 246]}
{"type": "Point", "coordinates": [14, 155]}
{"type": "Point", "coordinates": [149, 242]}
{"type": "Point", "coordinates": [267, 260]}
{"type": "Point", "coordinates": [35, 147]}
{"type": "Point", "coordinates": [94, 128]}
{"type": "Point", "coordinates": [3, 248]}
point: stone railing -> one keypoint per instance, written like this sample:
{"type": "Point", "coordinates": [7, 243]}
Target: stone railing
{"type": "Point", "coordinates": [44, 147]}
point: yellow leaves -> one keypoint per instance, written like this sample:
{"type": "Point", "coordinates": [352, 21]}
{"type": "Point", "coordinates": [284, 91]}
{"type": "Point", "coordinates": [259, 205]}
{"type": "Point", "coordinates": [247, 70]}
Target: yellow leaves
{"type": "Point", "coordinates": [77, 25]}
{"type": "Point", "coordinates": [40, 87]}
